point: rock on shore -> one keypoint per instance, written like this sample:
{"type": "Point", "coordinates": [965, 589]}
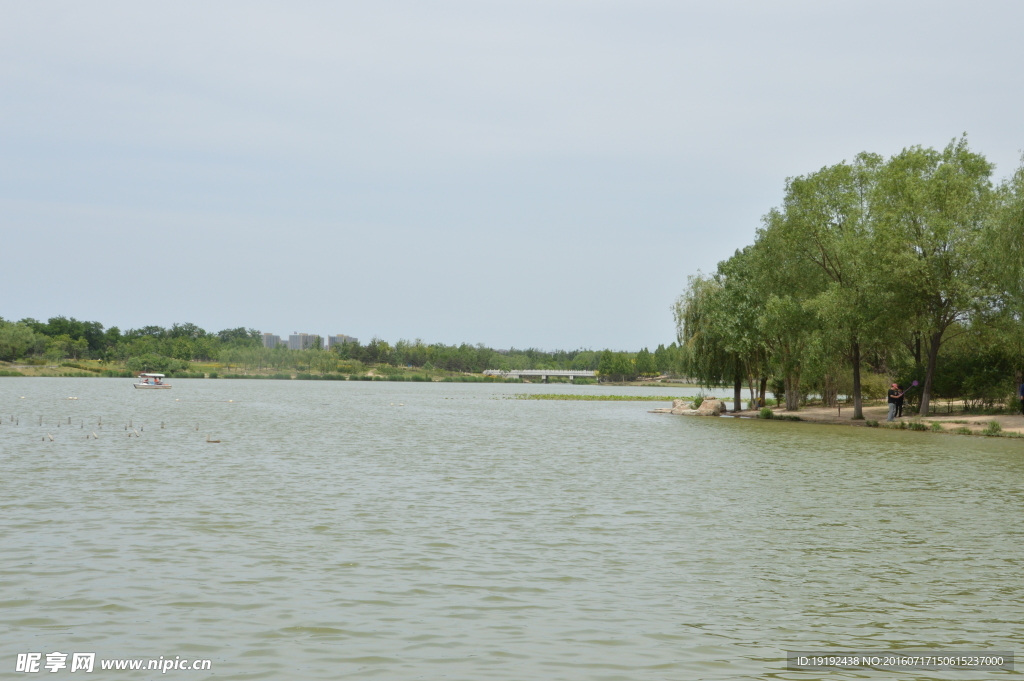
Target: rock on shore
{"type": "Point", "coordinates": [709, 407]}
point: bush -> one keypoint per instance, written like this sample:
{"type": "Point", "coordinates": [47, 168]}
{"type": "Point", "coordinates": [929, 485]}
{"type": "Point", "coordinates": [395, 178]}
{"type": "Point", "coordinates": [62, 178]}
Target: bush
{"type": "Point", "coordinates": [937, 427]}
{"type": "Point", "coordinates": [281, 377]}
{"type": "Point", "coordinates": [766, 413]}
{"type": "Point", "coordinates": [993, 429]}
{"type": "Point", "coordinates": [114, 373]}
{"type": "Point", "coordinates": [917, 425]}
{"type": "Point", "coordinates": [964, 430]}
{"type": "Point", "coordinates": [154, 363]}
{"type": "Point", "coordinates": [304, 377]}
{"type": "Point", "coordinates": [871, 424]}
{"type": "Point", "coordinates": [396, 377]}
{"type": "Point", "coordinates": [697, 401]}
{"type": "Point", "coordinates": [212, 374]}
{"type": "Point", "coordinates": [5, 372]}
{"type": "Point", "coordinates": [418, 377]}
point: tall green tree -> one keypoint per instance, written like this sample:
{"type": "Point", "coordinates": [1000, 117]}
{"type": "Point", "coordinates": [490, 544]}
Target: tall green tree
{"type": "Point", "coordinates": [933, 211]}
{"type": "Point", "coordinates": [825, 227]}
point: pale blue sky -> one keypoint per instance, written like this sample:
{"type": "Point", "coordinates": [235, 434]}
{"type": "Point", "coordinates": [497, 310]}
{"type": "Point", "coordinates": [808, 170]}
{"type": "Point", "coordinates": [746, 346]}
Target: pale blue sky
{"type": "Point", "coordinates": [519, 174]}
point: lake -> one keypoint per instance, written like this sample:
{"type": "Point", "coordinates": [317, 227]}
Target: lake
{"type": "Point", "coordinates": [361, 530]}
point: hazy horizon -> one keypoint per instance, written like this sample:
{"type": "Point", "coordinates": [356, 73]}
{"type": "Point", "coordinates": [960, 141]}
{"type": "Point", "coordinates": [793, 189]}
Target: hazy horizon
{"type": "Point", "coordinates": [520, 175]}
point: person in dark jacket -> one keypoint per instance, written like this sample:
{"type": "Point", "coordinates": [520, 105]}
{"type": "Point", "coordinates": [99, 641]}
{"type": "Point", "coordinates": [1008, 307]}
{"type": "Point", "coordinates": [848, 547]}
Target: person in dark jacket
{"type": "Point", "coordinates": [894, 395]}
{"type": "Point", "coordinates": [899, 401]}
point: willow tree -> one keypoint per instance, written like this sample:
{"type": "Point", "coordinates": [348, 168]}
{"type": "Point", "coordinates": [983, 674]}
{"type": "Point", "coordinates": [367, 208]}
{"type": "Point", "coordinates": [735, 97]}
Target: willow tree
{"type": "Point", "coordinates": [933, 212]}
{"type": "Point", "coordinates": [716, 320]}
{"type": "Point", "coordinates": [706, 356]}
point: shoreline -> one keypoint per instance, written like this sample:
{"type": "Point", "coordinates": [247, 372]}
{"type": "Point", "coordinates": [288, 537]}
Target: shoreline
{"type": "Point", "coordinates": [1011, 425]}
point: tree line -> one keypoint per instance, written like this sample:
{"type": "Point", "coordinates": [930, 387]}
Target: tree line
{"type": "Point", "coordinates": [155, 348]}
{"type": "Point", "coordinates": [903, 268]}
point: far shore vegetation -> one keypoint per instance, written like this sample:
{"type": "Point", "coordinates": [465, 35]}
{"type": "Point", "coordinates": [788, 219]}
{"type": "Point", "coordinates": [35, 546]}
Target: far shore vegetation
{"type": "Point", "coordinates": [870, 272]}
{"type": "Point", "coordinates": [64, 346]}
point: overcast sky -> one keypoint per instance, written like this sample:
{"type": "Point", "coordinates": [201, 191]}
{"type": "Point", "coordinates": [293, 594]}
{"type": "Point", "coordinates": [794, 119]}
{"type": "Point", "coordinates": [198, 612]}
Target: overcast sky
{"type": "Point", "coordinates": [520, 174]}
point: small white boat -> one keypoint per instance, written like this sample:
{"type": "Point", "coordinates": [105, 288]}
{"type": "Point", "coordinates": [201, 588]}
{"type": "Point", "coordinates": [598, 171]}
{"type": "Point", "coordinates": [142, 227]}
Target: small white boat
{"type": "Point", "coordinates": [152, 382]}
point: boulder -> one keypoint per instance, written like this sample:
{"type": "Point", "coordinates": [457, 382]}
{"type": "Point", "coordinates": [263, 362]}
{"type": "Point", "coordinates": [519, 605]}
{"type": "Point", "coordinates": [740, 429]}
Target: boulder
{"type": "Point", "coordinates": [711, 407]}
{"type": "Point", "coordinates": [681, 407]}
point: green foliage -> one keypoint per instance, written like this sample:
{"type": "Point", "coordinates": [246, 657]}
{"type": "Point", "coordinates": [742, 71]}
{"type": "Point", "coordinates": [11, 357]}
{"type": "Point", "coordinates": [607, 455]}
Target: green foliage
{"type": "Point", "coordinates": [963, 430]}
{"type": "Point", "coordinates": [910, 267]}
{"type": "Point", "coordinates": [766, 413]}
{"type": "Point", "coordinates": [6, 372]}
{"type": "Point", "coordinates": [993, 428]}
{"type": "Point", "coordinates": [18, 340]}
{"type": "Point", "coordinates": [917, 425]}
{"type": "Point", "coordinates": [937, 427]}
{"type": "Point", "coordinates": [151, 362]}
{"type": "Point", "coordinates": [871, 423]}
{"type": "Point", "coordinates": [697, 401]}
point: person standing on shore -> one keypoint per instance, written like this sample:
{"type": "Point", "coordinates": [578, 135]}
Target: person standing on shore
{"type": "Point", "coordinates": [899, 401]}
{"type": "Point", "coordinates": [894, 396]}
{"type": "Point", "coordinates": [1020, 394]}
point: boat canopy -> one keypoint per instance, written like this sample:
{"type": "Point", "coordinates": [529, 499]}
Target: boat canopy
{"type": "Point", "coordinates": [151, 375]}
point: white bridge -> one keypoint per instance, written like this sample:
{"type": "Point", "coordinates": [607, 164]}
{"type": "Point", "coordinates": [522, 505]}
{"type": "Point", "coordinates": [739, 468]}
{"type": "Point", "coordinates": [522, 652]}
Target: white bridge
{"type": "Point", "coordinates": [542, 374]}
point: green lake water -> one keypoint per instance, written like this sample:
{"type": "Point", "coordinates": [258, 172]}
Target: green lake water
{"type": "Point", "coordinates": [365, 530]}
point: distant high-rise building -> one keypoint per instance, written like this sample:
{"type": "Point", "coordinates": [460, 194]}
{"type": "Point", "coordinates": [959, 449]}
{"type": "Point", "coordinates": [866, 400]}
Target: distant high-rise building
{"type": "Point", "coordinates": [302, 341]}
{"type": "Point", "coordinates": [339, 339]}
{"type": "Point", "coordinates": [270, 340]}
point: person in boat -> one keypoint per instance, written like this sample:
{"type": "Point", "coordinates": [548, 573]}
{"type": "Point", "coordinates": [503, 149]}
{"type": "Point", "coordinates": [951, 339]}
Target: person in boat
{"type": "Point", "coordinates": [156, 381]}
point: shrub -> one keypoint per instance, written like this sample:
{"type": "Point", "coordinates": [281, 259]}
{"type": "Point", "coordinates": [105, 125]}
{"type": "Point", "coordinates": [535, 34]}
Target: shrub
{"type": "Point", "coordinates": [5, 372]}
{"type": "Point", "coordinates": [697, 401]}
{"type": "Point", "coordinates": [993, 428]}
{"type": "Point", "coordinates": [152, 362]}
{"type": "Point", "coordinates": [281, 377]}
{"type": "Point", "coordinates": [212, 374]}
{"type": "Point", "coordinates": [964, 430]}
{"type": "Point", "coordinates": [917, 425]}
{"type": "Point", "coordinates": [396, 377]}
{"type": "Point", "coordinates": [766, 413]}
{"type": "Point", "coordinates": [871, 424]}
{"type": "Point", "coordinates": [304, 377]}
{"type": "Point", "coordinates": [420, 378]}
{"type": "Point", "coordinates": [937, 427]}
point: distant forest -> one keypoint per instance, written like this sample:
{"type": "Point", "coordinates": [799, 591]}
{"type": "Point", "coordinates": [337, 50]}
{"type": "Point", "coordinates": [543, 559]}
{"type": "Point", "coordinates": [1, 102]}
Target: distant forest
{"type": "Point", "coordinates": [155, 348]}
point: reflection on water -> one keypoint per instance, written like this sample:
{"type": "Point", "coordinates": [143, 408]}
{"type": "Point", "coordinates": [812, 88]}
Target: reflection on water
{"type": "Point", "coordinates": [390, 530]}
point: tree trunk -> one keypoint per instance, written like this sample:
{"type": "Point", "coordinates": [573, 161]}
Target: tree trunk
{"type": "Point", "coordinates": [737, 392]}
{"type": "Point", "coordinates": [858, 407]}
{"type": "Point", "coordinates": [829, 391]}
{"type": "Point", "coordinates": [792, 392]}
{"type": "Point", "coordinates": [917, 347]}
{"type": "Point", "coordinates": [933, 355]}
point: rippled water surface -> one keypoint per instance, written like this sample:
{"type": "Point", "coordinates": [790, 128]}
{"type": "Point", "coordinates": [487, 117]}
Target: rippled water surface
{"type": "Point", "coordinates": [441, 531]}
